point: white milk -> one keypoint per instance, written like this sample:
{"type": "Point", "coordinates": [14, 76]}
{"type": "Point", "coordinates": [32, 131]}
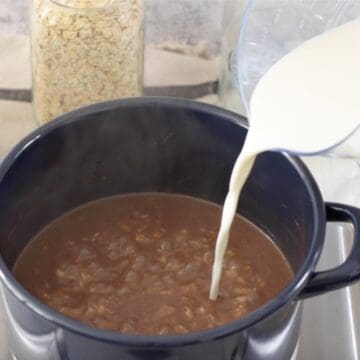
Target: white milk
{"type": "Point", "coordinates": [306, 103]}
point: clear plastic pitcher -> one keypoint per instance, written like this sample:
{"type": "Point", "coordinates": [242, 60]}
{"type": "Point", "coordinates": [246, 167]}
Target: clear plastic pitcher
{"type": "Point", "coordinates": [272, 28]}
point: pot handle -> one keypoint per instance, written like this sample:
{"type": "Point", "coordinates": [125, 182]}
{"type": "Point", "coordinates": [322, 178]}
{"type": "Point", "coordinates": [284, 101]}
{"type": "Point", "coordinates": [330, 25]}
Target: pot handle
{"type": "Point", "coordinates": [348, 272]}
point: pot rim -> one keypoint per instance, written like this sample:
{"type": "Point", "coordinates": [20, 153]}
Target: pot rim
{"type": "Point", "coordinates": [288, 294]}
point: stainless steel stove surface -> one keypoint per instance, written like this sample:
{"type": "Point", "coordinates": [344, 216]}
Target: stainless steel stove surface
{"type": "Point", "coordinates": [331, 323]}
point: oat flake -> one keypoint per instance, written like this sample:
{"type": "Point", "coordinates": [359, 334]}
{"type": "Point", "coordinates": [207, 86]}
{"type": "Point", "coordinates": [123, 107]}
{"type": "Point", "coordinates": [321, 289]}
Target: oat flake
{"type": "Point", "coordinates": [85, 51]}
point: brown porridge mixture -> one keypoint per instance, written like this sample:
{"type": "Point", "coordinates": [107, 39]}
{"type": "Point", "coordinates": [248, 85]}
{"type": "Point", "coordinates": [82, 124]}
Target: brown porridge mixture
{"type": "Point", "coordinates": [141, 264]}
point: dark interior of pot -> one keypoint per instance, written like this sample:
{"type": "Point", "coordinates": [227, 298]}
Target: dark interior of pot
{"type": "Point", "coordinates": [126, 147]}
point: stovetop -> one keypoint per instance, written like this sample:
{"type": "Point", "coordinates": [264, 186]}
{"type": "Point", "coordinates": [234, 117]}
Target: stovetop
{"type": "Point", "coordinates": [331, 323]}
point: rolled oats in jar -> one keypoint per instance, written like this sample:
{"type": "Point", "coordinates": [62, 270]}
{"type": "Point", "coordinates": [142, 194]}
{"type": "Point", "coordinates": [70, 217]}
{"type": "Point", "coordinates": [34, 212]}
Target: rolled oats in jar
{"type": "Point", "coordinates": [85, 51]}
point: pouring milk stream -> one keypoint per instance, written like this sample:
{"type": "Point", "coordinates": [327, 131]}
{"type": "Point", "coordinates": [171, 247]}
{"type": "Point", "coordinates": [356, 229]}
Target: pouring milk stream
{"type": "Point", "coordinates": [307, 103]}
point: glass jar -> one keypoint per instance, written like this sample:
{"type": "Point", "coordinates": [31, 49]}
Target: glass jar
{"type": "Point", "coordinates": [229, 92]}
{"type": "Point", "coordinates": [85, 51]}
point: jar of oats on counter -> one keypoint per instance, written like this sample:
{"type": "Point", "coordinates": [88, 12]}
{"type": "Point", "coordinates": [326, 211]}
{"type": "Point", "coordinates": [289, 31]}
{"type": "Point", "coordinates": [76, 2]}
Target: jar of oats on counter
{"type": "Point", "coordinates": [85, 51]}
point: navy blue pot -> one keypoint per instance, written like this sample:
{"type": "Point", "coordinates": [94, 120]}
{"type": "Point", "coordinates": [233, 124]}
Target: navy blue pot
{"type": "Point", "coordinates": [167, 145]}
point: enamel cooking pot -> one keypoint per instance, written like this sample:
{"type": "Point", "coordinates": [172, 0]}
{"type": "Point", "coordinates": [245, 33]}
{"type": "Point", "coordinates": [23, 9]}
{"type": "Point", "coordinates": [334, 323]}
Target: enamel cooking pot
{"type": "Point", "coordinates": [166, 145]}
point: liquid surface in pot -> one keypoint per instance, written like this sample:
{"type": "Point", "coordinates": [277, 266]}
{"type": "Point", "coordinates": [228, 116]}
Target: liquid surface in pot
{"type": "Point", "coordinates": [141, 264]}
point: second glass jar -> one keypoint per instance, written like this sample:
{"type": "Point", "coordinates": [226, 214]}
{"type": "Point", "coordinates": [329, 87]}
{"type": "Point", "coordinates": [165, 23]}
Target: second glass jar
{"type": "Point", "coordinates": [85, 51]}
